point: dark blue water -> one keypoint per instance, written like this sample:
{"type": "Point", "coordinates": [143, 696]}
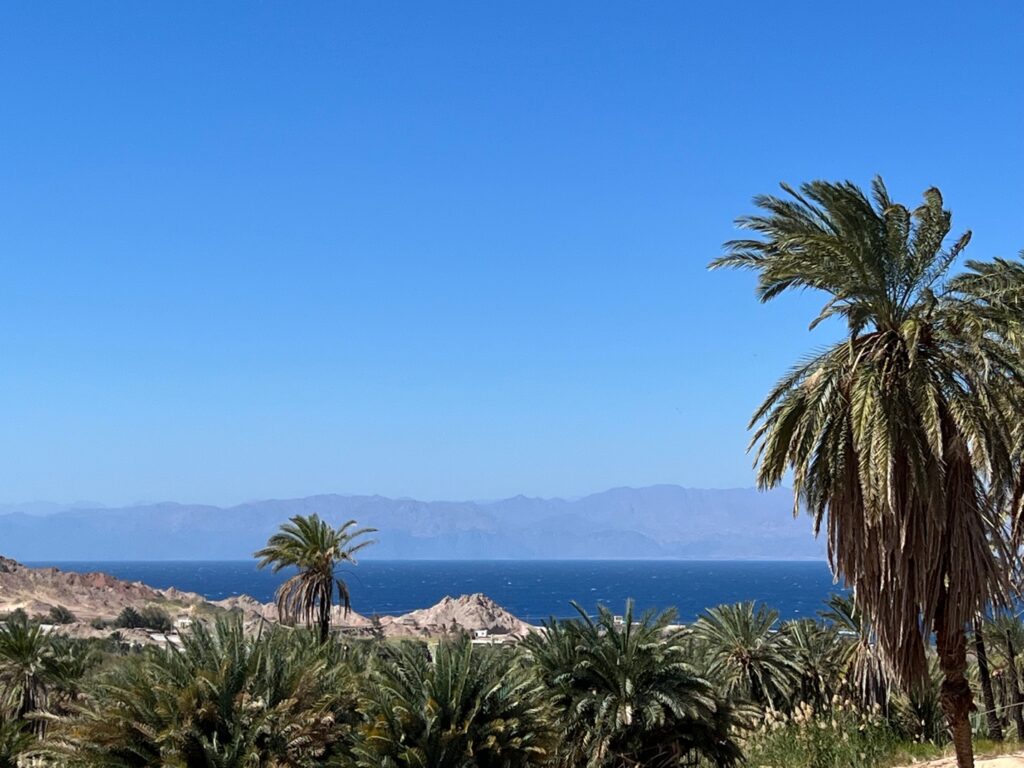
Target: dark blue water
{"type": "Point", "coordinates": [532, 590]}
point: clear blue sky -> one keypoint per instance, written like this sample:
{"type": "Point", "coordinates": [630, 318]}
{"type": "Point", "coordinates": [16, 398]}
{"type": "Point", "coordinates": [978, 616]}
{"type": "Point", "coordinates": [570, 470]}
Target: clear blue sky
{"type": "Point", "coordinates": [446, 250]}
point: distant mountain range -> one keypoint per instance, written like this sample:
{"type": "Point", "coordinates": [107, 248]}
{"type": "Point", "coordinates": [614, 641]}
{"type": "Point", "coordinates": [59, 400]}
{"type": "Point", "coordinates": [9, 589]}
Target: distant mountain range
{"type": "Point", "coordinates": [661, 521]}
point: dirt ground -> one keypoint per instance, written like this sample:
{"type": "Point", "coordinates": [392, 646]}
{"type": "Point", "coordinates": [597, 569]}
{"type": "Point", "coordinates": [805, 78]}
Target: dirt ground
{"type": "Point", "coordinates": [1015, 760]}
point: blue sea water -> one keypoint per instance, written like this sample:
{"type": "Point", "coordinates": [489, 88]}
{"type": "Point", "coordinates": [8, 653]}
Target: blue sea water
{"type": "Point", "coordinates": [533, 590]}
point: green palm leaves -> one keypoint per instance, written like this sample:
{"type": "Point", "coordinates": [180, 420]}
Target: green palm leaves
{"type": "Point", "coordinates": [746, 653]}
{"type": "Point", "coordinates": [469, 707]}
{"type": "Point", "coordinates": [27, 660]}
{"type": "Point", "coordinates": [895, 435]}
{"type": "Point", "coordinates": [628, 694]}
{"type": "Point", "coordinates": [223, 700]}
{"type": "Point", "coordinates": [40, 677]}
{"type": "Point", "coordinates": [316, 549]}
{"type": "Point", "coordinates": [15, 742]}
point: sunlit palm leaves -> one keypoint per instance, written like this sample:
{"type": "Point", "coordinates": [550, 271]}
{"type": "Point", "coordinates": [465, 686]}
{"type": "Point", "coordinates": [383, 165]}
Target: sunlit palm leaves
{"type": "Point", "coordinates": [467, 708]}
{"type": "Point", "coordinates": [627, 693]}
{"type": "Point", "coordinates": [746, 654]}
{"type": "Point", "coordinates": [316, 549]}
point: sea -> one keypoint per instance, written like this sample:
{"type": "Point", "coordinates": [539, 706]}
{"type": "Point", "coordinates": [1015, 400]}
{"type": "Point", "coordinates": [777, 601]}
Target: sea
{"type": "Point", "coordinates": [533, 590]}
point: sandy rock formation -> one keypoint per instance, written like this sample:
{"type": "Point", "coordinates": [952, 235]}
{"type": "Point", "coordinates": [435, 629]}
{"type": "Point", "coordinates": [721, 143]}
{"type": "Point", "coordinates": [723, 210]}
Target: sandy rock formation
{"type": "Point", "coordinates": [468, 613]}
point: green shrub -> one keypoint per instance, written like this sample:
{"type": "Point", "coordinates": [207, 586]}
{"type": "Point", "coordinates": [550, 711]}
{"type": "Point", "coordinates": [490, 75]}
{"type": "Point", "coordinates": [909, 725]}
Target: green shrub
{"type": "Point", "coordinates": [128, 618]}
{"type": "Point", "coordinates": [155, 618]}
{"type": "Point", "coordinates": [17, 616]}
{"type": "Point", "coordinates": [149, 617]}
{"type": "Point", "coordinates": [60, 615]}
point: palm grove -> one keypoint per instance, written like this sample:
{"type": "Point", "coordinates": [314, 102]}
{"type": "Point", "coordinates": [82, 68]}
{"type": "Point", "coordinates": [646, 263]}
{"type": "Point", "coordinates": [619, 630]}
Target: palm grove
{"type": "Point", "coordinates": [904, 444]}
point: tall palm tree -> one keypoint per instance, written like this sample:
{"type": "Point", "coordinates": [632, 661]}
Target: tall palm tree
{"type": "Point", "coordinates": [893, 433]}
{"type": "Point", "coordinates": [469, 707]}
{"type": "Point", "coordinates": [317, 550]}
{"type": "Point", "coordinates": [627, 693]}
{"type": "Point", "coordinates": [746, 654]}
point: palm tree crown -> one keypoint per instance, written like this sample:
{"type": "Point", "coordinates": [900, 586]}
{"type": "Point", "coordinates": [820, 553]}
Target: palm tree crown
{"type": "Point", "coordinates": [316, 549]}
{"type": "Point", "coordinates": [746, 653]}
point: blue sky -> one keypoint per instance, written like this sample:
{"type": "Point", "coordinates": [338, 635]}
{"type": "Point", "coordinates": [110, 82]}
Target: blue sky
{"type": "Point", "coordinates": [448, 250]}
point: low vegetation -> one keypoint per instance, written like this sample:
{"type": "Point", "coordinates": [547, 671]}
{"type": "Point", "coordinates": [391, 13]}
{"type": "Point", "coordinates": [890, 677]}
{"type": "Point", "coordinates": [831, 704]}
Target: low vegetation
{"type": "Point", "coordinates": [150, 617]}
{"type": "Point", "coordinates": [736, 686]}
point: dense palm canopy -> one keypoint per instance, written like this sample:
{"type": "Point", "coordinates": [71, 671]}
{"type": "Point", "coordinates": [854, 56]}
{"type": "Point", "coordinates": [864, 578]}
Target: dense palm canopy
{"type": "Point", "coordinates": [316, 549]}
{"type": "Point", "coordinates": [465, 708]}
{"type": "Point", "coordinates": [894, 433]}
{"type": "Point", "coordinates": [628, 694]}
{"type": "Point", "coordinates": [224, 700]}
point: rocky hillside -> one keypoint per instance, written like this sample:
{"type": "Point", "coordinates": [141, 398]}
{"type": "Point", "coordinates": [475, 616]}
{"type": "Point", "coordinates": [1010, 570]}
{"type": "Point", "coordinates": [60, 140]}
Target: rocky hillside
{"type": "Point", "coordinates": [101, 596]}
{"type": "Point", "coordinates": [87, 595]}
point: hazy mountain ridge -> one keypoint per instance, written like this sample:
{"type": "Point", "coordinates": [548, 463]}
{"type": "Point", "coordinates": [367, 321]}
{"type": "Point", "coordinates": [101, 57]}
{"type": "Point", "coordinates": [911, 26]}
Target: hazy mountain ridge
{"type": "Point", "coordinates": [650, 522]}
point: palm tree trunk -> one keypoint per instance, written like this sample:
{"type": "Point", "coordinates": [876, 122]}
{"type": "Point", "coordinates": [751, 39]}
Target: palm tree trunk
{"type": "Point", "coordinates": [955, 694]}
{"type": "Point", "coordinates": [1017, 705]}
{"type": "Point", "coordinates": [995, 728]}
{"type": "Point", "coordinates": [1005, 705]}
{"type": "Point", "coordinates": [325, 622]}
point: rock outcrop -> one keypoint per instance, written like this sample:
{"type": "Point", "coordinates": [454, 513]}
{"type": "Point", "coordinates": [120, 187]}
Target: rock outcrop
{"type": "Point", "coordinates": [467, 613]}
{"type": "Point", "coordinates": [87, 595]}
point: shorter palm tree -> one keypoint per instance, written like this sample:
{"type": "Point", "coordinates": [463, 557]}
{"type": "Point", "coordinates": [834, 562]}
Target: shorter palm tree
{"type": "Point", "coordinates": [627, 694]}
{"type": "Point", "coordinates": [469, 707]}
{"type": "Point", "coordinates": [26, 656]}
{"type": "Point", "coordinates": [917, 713]}
{"type": "Point", "coordinates": [866, 675]}
{"type": "Point", "coordinates": [317, 550]}
{"type": "Point", "coordinates": [820, 655]}
{"type": "Point", "coordinates": [746, 654]}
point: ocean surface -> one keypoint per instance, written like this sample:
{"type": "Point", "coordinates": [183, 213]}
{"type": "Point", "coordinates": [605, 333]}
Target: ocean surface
{"type": "Point", "coordinates": [532, 590]}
